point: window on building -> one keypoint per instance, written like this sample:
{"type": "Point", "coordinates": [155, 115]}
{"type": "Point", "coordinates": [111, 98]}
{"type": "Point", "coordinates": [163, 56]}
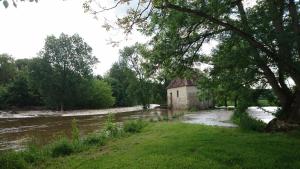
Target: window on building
{"type": "Point", "coordinates": [177, 93]}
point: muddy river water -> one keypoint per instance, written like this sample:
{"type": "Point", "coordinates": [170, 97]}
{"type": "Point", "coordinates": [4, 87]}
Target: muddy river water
{"type": "Point", "coordinates": [19, 128]}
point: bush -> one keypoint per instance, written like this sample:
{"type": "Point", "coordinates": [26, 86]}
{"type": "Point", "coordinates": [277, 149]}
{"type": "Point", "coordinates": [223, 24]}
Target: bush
{"type": "Point", "coordinates": [62, 148]}
{"type": "Point", "coordinates": [134, 126]}
{"type": "Point", "coordinates": [111, 128]}
{"type": "Point", "coordinates": [247, 122]}
{"type": "Point", "coordinates": [75, 131]}
{"type": "Point", "coordinates": [32, 154]}
{"type": "Point", "coordinates": [12, 160]}
{"type": "Point", "coordinates": [94, 139]}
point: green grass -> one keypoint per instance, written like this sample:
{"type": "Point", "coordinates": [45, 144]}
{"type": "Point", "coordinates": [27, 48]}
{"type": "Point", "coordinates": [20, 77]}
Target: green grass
{"type": "Point", "coordinates": [174, 145]}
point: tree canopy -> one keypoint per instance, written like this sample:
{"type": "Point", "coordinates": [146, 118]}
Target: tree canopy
{"type": "Point", "coordinates": [63, 64]}
{"type": "Point", "coordinates": [61, 77]}
{"type": "Point", "coordinates": [264, 35]}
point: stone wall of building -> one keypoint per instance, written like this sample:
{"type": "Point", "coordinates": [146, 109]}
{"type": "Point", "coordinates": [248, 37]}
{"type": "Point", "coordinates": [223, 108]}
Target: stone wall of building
{"type": "Point", "coordinates": [187, 98]}
{"type": "Point", "coordinates": [179, 98]}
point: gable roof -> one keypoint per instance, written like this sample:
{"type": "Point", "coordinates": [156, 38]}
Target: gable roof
{"type": "Point", "coordinates": [181, 82]}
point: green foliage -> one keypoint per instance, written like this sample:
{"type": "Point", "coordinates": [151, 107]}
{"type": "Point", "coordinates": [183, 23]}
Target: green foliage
{"type": "Point", "coordinates": [131, 81]}
{"type": "Point", "coordinates": [75, 131]}
{"type": "Point", "coordinates": [95, 140]}
{"type": "Point", "coordinates": [122, 80]}
{"type": "Point", "coordinates": [7, 69]}
{"type": "Point", "coordinates": [99, 95]}
{"type": "Point", "coordinates": [248, 123]}
{"type": "Point", "coordinates": [134, 126]}
{"type": "Point", "coordinates": [110, 127]}
{"type": "Point", "coordinates": [62, 147]}
{"type": "Point", "coordinates": [33, 155]}
{"type": "Point", "coordinates": [64, 65]}
{"type": "Point", "coordinates": [20, 94]}
{"type": "Point", "coordinates": [3, 94]}
{"type": "Point", "coordinates": [12, 160]}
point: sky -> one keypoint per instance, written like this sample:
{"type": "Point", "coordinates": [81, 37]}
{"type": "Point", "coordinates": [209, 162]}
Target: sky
{"type": "Point", "coordinates": [24, 29]}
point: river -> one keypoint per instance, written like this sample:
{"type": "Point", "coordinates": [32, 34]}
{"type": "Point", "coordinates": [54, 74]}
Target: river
{"type": "Point", "coordinates": [19, 128]}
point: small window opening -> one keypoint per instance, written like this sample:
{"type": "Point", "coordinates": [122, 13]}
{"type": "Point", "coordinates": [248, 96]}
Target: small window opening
{"type": "Point", "coordinates": [177, 93]}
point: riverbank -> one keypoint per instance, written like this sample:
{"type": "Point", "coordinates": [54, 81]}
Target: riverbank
{"type": "Point", "coordinates": [181, 145]}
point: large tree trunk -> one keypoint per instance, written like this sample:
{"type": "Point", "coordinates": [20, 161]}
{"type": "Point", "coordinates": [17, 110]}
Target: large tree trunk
{"type": "Point", "coordinates": [291, 110]}
{"type": "Point", "coordinates": [235, 101]}
{"type": "Point", "coordinates": [225, 101]}
{"type": "Point", "coordinates": [289, 118]}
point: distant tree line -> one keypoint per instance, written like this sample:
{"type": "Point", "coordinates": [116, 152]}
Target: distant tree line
{"type": "Point", "coordinates": [61, 78]}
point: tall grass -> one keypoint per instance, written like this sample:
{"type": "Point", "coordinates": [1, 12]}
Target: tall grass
{"type": "Point", "coordinates": [134, 126]}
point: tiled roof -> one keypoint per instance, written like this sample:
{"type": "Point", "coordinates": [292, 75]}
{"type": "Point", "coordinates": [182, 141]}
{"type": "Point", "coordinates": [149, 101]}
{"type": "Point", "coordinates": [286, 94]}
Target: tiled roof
{"type": "Point", "coordinates": [181, 82]}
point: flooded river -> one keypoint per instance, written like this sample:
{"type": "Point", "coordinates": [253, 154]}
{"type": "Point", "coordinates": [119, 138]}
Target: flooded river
{"type": "Point", "coordinates": [18, 128]}
{"type": "Point", "coordinates": [43, 126]}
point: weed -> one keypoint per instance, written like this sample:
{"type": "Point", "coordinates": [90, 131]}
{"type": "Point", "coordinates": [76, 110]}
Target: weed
{"type": "Point", "coordinates": [134, 126]}
{"type": "Point", "coordinates": [62, 147]}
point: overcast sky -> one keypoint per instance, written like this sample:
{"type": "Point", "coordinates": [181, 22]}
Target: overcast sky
{"type": "Point", "coordinates": [24, 29]}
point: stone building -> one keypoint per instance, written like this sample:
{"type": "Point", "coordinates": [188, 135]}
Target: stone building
{"type": "Point", "coordinates": [182, 94]}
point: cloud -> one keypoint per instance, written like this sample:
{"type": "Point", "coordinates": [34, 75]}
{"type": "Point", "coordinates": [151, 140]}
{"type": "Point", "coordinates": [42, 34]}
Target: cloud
{"type": "Point", "coordinates": [24, 29]}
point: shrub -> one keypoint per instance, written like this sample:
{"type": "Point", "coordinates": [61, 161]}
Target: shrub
{"type": "Point", "coordinates": [134, 126]}
{"type": "Point", "coordinates": [32, 154]}
{"type": "Point", "coordinates": [247, 122]}
{"type": "Point", "coordinates": [75, 131]}
{"type": "Point", "coordinates": [62, 148]}
{"type": "Point", "coordinates": [12, 160]}
{"type": "Point", "coordinates": [111, 128]}
{"type": "Point", "coordinates": [94, 139]}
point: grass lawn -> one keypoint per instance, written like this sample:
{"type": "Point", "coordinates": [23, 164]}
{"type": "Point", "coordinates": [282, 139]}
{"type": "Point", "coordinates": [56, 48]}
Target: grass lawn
{"type": "Point", "coordinates": [174, 145]}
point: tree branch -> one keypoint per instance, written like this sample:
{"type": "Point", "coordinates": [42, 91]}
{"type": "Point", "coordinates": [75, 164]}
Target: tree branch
{"type": "Point", "coordinates": [210, 18]}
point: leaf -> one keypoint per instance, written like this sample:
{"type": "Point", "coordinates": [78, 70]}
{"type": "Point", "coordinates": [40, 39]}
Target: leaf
{"type": "Point", "coordinates": [14, 3]}
{"type": "Point", "coordinates": [5, 3]}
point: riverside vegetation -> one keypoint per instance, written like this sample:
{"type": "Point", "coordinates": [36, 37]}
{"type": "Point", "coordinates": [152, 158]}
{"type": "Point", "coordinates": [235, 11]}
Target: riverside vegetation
{"type": "Point", "coordinates": [33, 156]}
{"type": "Point", "coordinates": [163, 144]}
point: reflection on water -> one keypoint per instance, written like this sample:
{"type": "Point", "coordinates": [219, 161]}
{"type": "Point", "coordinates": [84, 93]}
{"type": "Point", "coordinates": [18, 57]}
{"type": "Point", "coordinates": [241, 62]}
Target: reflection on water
{"type": "Point", "coordinates": [265, 114]}
{"type": "Point", "coordinates": [15, 132]}
{"type": "Point", "coordinates": [218, 117]}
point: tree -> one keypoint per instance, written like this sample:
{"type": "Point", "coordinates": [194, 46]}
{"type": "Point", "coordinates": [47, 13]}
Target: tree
{"type": "Point", "coordinates": [122, 80]}
{"type": "Point", "coordinates": [133, 58]}
{"type": "Point", "coordinates": [7, 69]}
{"type": "Point", "coordinates": [20, 92]}
{"type": "Point", "coordinates": [269, 31]}
{"type": "Point", "coordinates": [63, 64]}
{"type": "Point", "coordinates": [99, 95]}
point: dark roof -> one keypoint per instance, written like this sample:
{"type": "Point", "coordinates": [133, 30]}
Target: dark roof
{"type": "Point", "coordinates": [181, 82]}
